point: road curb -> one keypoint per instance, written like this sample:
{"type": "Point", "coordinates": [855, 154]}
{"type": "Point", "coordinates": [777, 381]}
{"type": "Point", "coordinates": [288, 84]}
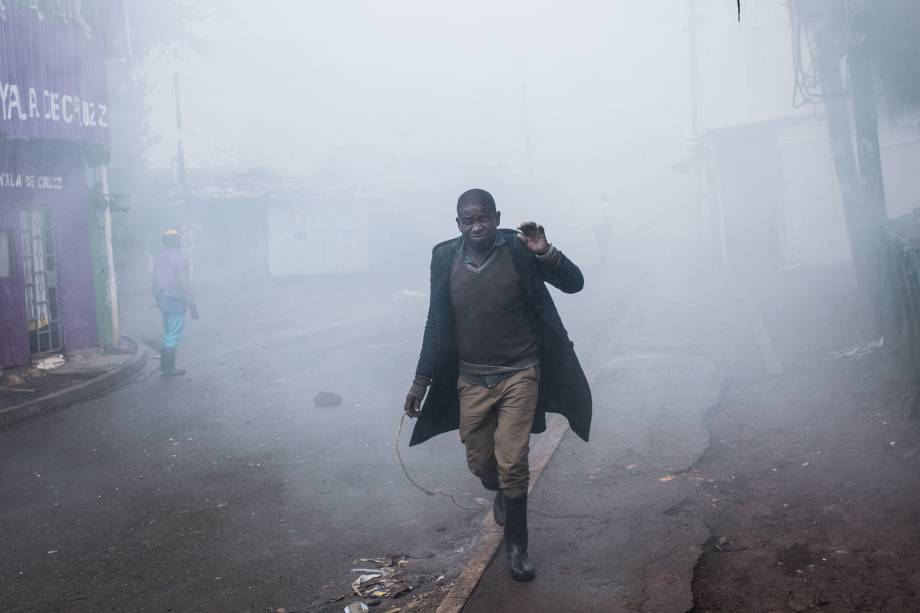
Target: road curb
{"type": "Point", "coordinates": [76, 394]}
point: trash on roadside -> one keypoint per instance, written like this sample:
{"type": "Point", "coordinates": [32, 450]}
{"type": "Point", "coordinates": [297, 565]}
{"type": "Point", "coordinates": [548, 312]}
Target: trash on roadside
{"type": "Point", "coordinates": [12, 383]}
{"type": "Point", "coordinates": [667, 478]}
{"type": "Point", "coordinates": [718, 543]}
{"type": "Point", "coordinates": [327, 399]}
{"type": "Point", "coordinates": [409, 293]}
{"type": "Point", "coordinates": [362, 579]}
{"type": "Point", "coordinates": [859, 350]}
{"type": "Point", "coordinates": [385, 581]}
{"type": "Point", "coordinates": [11, 379]}
{"type": "Point", "coordinates": [356, 607]}
{"type": "Point", "coordinates": [49, 363]}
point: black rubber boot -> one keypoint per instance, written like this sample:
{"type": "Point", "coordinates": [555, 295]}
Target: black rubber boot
{"type": "Point", "coordinates": [498, 509]}
{"type": "Point", "coordinates": [168, 363]}
{"type": "Point", "coordinates": [519, 564]}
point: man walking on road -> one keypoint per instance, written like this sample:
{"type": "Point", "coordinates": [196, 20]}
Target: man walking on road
{"type": "Point", "coordinates": [496, 356]}
{"type": "Point", "coordinates": [172, 290]}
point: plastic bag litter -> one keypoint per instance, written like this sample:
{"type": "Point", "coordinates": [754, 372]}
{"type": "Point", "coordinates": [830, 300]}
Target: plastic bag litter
{"type": "Point", "coordinates": [859, 350]}
{"type": "Point", "coordinates": [49, 363]}
{"type": "Point", "coordinates": [385, 581]}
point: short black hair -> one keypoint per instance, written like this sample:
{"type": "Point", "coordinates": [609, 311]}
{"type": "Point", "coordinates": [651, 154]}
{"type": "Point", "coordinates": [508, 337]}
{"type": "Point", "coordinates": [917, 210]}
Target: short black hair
{"type": "Point", "coordinates": [476, 196]}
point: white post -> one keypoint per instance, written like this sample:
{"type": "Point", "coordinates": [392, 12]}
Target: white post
{"type": "Point", "coordinates": [102, 178]}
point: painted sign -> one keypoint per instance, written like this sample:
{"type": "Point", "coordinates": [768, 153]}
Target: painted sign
{"type": "Point", "coordinates": [19, 180]}
{"type": "Point", "coordinates": [52, 80]}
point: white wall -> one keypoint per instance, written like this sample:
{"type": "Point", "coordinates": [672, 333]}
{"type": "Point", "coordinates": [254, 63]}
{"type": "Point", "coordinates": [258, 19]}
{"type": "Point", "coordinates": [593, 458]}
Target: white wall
{"type": "Point", "coordinates": [318, 238]}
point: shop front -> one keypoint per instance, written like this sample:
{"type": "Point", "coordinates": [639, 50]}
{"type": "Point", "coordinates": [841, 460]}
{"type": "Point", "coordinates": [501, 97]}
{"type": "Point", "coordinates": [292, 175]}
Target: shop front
{"type": "Point", "coordinates": [47, 296]}
{"type": "Point", "coordinates": [53, 132]}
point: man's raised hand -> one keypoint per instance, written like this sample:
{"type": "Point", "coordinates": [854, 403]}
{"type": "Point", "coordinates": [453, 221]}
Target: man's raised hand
{"type": "Point", "coordinates": [533, 236]}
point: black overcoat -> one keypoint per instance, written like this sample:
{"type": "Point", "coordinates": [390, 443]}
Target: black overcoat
{"type": "Point", "coordinates": [563, 385]}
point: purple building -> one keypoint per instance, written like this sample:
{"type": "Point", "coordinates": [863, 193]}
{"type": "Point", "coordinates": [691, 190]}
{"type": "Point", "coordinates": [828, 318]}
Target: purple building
{"type": "Point", "coordinates": [54, 138]}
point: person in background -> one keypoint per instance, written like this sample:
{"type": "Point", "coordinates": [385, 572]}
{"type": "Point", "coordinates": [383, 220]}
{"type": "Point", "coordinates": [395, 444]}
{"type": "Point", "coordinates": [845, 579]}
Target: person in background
{"type": "Point", "coordinates": [172, 289]}
{"type": "Point", "coordinates": [496, 357]}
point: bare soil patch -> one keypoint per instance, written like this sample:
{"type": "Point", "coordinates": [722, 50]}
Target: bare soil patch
{"type": "Point", "coordinates": [810, 486]}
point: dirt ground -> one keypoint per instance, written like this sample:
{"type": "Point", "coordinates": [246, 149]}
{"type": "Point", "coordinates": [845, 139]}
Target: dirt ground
{"type": "Point", "coordinates": [26, 383]}
{"type": "Point", "coordinates": [809, 486]}
{"type": "Point", "coordinates": [32, 383]}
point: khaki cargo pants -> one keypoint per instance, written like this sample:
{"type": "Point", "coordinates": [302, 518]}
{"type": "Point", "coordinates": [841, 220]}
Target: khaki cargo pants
{"type": "Point", "coordinates": [495, 425]}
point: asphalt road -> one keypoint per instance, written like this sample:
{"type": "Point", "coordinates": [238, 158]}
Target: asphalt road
{"type": "Point", "coordinates": [227, 489]}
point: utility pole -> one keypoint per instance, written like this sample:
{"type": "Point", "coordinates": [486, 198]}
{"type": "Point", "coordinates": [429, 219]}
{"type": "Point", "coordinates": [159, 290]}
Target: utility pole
{"type": "Point", "coordinates": [694, 72]}
{"type": "Point", "coordinates": [180, 154]}
{"type": "Point", "coordinates": [105, 280]}
{"type": "Point", "coordinates": [694, 27]}
{"type": "Point", "coordinates": [860, 183]}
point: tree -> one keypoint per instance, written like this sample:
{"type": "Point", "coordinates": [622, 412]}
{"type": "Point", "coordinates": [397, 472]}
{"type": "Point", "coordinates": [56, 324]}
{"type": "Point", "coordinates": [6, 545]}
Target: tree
{"type": "Point", "coordinates": [872, 42]}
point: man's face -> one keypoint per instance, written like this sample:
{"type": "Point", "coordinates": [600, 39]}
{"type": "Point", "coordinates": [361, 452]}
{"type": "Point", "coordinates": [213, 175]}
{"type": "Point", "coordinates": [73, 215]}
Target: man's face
{"type": "Point", "coordinates": [478, 224]}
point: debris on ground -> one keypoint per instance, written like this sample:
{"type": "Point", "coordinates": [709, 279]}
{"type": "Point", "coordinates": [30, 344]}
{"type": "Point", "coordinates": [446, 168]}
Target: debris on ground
{"type": "Point", "coordinates": [12, 380]}
{"type": "Point", "coordinates": [357, 607]}
{"type": "Point", "coordinates": [49, 363]}
{"type": "Point", "coordinates": [860, 350]}
{"type": "Point", "coordinates": [409, 293]}
{"type": "Point", "coordinates": [327, 399]}
{"type": "Point", "coordinates": [124, 346]}
{"type": "Point", "coordinates": [384, 581]}
{"type": "Point", "coordinates": [426, 601]}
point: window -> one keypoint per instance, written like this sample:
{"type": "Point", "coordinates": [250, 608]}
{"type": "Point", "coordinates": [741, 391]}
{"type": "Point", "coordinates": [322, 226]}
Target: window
{"type": "Point", "coordinates": [6, 254]}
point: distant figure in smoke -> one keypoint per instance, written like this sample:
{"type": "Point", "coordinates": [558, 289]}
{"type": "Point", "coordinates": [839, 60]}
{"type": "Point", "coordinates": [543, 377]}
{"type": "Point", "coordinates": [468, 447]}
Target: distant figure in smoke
{"type": "Point", "coordinates": [497, 357]}
{"type": "Point", "coordinates": [172, 290]}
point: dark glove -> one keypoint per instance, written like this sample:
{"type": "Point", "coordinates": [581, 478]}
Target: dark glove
{"type": "Point", "coordinates": [416, 393]}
